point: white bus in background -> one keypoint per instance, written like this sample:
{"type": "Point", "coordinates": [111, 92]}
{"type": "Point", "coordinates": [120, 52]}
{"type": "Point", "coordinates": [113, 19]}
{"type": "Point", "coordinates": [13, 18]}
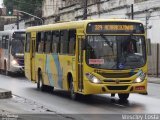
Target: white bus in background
{"type": "Point", "coordinates": [12, 51]}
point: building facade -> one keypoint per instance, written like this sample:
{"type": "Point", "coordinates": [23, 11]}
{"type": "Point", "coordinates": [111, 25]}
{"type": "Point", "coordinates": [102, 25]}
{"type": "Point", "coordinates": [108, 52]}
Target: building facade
{"type": "Point", "coordinates": [148, 11]}
{"type": "Point", "coordinates": [6, 19]}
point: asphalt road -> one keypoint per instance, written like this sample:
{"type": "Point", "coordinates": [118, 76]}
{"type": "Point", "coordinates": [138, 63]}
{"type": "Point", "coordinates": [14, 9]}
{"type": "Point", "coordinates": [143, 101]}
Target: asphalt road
{"type": "Point", "coordinates": [60, 102]}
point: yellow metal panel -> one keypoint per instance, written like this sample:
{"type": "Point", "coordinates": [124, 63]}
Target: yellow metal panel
{"type": "Point", "coordinates": [33, 34]}
{"type": "Point", "coordinates": [27, 66]}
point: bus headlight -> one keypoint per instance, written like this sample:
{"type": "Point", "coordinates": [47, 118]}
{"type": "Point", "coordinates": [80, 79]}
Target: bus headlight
{"type": "Point", "coordinates": [14, 62]}
{"type": "Point", "coordinates": [92, 78]}
{"type": "Point", "coordinates": [140, 78]}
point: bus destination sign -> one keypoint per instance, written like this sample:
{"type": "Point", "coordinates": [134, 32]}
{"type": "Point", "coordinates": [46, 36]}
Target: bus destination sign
{"type": "Point", "coordinates": [115, 28]}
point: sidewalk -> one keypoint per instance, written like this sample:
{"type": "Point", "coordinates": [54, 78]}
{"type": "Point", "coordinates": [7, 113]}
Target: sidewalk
{"type": "Point", "coordinates": [14, 107]}
{"type": "Point", "coordinates": [154, 80]}
{"type": "Point", "coordinates": [5, 93]}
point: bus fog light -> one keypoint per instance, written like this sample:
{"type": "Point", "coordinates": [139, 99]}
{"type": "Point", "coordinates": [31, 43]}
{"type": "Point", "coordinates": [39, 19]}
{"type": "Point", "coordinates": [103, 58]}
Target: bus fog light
{"type": "Point", "coordinates": [92, 78]}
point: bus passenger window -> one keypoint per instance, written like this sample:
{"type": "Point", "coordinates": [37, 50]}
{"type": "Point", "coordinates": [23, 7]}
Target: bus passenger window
{"type": "Point", "coordinates": [41, 43]}
{"type": "Point", "coordinates": [48, 42]}
{"type": "Point", "coordinates": [72, 41]}
{"type": "Point", "coordinates": [5, 40]}
{"type": "Point", "coordinates": [27, 44]}
{"type": "Point", "coordinates": [38, 39]}
{"type": "Point", "coordinates": [64, 42]}
{"type": "Point", "coordinates": [55, 43]}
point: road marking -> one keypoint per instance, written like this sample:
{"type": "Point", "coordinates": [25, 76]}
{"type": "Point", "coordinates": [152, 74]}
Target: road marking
{"type": "Point", "coordinates": [119, 105]}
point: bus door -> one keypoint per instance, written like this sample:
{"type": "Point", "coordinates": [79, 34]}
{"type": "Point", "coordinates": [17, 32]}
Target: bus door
{"type": "Point", "coordinates": [80, 63]}
{"type": "Point", "coordinates": [33, 44]}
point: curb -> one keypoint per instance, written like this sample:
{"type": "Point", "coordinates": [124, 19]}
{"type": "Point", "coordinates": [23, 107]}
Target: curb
{"type": "Point", "coordinates": [155, 82]}
{"type": "Point", "coordinates": [5, 94]}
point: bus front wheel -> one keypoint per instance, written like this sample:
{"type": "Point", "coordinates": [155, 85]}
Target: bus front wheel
{"type": "Point", "coordinates": [123, 96]}
{"type": "Point", "coordinates": [73, 95]}
{"type": "Point", "coordinates": [5, 69]}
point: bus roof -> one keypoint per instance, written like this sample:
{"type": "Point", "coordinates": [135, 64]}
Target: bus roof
{"type": "Point", "coordinates": [74, 24]}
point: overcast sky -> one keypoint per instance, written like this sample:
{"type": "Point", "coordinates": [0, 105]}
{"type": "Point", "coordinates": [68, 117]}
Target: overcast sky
{"type": "Point", "coordinates": [1, 3]}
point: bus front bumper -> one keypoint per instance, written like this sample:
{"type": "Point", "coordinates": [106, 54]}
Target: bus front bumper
{"type": "Point", "coordinates": [17, 69]}
{"type": "Point", "coordinates": [92, 88]}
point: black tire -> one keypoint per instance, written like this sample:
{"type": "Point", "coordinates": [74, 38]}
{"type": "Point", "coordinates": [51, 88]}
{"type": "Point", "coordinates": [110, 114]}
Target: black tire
{"type": "Point", "coordinates": [5, 69]}
{"type": "Point", "coordinates": [123, 96]}
{"type": "Point", "coordinates": [40, 85]}
{"type": "Point", "coordinates": [48, 88]}
{"type": "Point", "coordinates": [73, 95]}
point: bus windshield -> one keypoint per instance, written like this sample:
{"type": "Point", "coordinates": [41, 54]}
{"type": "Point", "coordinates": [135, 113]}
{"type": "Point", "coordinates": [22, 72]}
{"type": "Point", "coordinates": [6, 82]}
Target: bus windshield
{"type": "Point", "coordinates": [18, 42]}
{"type": "Point", "coordinates": [116, 52]}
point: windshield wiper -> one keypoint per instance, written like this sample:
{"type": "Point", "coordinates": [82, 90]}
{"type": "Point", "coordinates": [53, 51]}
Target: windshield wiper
{"type": "Point", "coordinates": [22, 42]}
{"type": "Point", "coordinates": [107, 41]}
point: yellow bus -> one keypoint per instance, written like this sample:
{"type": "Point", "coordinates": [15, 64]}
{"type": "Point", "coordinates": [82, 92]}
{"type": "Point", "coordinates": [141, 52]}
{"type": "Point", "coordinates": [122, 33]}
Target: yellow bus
{"type": "Point", "coordinates": [88, 57]}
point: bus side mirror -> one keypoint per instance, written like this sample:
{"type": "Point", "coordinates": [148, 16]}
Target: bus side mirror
{"type": "Point", "coordinates": [148, 42]}
{"type": "Point", "coordinates": [11, 42]}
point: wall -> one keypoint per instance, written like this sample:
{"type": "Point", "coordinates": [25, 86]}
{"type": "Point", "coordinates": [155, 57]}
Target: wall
{"type": "Point", "coordinates": [51, 7]}
{"type": "Point", "coordinates": [14, 26]}
{"type": "Point", "coordinates": [143, 10]}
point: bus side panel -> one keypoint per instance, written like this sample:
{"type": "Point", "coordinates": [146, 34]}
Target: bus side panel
{"type": "Point", "coordinates": [51, 72]}
{"type": "Point", "coordinates": [33, 50]}
{"type": "Point", "coordinates": [40, 60]}
{"type": "Point", "coordinates": [1, 57]}
{"type": "Point", "coordinates": [5, 59]}
{"type": "Point", "coordinates": [27, 65]}
{"type": "Point", "coordinates": [57, 69]}
{"type": "Point", "coordinates": [67, 64]}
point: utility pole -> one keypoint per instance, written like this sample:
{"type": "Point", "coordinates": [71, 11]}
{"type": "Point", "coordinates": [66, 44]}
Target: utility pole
{"type": "Point", "coordinates": [148, 15]}
{"type": "Point", "coordinates": [132, 11]}
{"type": "Point", "coordinates": [85, 10]}
{"type": "Point", "coordinates": [147, 18]}
{"type": "Point", "coordinates": [17, 20]}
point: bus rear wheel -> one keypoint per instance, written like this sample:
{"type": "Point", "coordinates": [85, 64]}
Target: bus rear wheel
{"type": "Point", "coordinates": [123, 96]}
{"type": "Point", "coordinates": [40, 85]}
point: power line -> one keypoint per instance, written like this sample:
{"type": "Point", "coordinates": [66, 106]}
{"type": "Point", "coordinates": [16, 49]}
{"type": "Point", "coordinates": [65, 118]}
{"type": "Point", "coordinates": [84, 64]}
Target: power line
{"type": "Point", "coordinates": [60, 3]}
{"type": "Point", "coordinates": [153, 1]}
{"type": "Point", "coordinates": [48, 6]}
{"type": "Point", "coordinates": [34, 4]}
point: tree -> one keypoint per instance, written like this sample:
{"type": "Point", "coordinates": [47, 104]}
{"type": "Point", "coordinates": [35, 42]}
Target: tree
{"type": "Point", "coordinates": [30, 6]}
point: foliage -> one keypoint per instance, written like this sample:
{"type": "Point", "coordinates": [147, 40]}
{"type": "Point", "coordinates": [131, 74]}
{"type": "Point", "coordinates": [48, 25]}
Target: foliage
{"type": "Point", "coordinates": [30, 6]}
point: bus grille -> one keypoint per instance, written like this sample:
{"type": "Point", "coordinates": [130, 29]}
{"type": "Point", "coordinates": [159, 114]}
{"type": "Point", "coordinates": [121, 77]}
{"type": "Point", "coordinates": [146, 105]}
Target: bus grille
{"type": "Point", "coordinates": [119, 81]}
{"type": "Point", "coordinates": [117, 87]}
{"type": "Point", "coordinates": [116, 75]}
